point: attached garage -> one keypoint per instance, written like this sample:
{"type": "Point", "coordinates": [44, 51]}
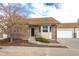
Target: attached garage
{"type": "Point", "coordinates": [64, 34]}
{"type": "Point", "coordinates": [68, 30]}
{"type": "Point", "coordinates": [77, 32]}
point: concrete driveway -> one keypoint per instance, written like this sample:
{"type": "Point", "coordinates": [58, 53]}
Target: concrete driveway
{"type": "Point", "coordinates": [72, 50]}
{"type": "Point", "coordinates": [71, 43]}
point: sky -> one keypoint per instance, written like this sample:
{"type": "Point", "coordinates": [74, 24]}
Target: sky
{"type": "Point", "coordinates": [61, 10]}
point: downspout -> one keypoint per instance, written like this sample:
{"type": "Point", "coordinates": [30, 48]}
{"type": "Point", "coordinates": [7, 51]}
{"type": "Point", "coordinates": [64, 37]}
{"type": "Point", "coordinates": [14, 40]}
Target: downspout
{"type": "Point", "coordinates": [55, 32]}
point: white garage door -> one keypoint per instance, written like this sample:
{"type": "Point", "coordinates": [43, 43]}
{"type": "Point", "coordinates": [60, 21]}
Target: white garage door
{"type": "Point", "coordinates": [77, 34]}
{"type": "Point", "coordinates": [64, 34]}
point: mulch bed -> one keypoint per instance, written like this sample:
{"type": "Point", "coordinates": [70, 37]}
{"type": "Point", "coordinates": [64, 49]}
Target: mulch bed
{"type": "Point", "coordinates": [20, 42]}
{"type": "Point", "coordinates": [17, 42]}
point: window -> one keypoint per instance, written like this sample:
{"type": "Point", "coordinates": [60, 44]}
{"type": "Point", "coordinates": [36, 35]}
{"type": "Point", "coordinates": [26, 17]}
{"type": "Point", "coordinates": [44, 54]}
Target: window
{"type": "Point", "coordinates": [45, 28]}
{"type": "Point", "coordinates": [40, 29]}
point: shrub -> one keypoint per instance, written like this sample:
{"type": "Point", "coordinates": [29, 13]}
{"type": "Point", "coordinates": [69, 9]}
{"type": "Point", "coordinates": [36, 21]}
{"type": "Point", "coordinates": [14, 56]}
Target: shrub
{"type": "Point", "coordinates": [41, 39]}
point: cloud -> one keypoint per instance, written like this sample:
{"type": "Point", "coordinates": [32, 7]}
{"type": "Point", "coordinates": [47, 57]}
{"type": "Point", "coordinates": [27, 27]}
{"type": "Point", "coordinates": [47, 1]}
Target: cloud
{"type": "Point", "coordinates": [65, 12]}
{"type": "Point", "coordinates": [41, 9]}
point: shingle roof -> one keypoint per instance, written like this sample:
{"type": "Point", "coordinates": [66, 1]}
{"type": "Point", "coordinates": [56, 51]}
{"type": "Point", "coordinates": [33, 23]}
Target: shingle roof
{"type": "Point", "coordinates": [68, 25]}
{"type": "Point", "coordinates": [39, 21]}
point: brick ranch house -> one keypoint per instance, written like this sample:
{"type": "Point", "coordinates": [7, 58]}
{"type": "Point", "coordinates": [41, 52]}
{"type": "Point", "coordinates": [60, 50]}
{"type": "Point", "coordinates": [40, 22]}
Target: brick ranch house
{"type": "Point", "coordinates": [49, 28]}
{"type": "Point", "coordinates": [44, 27]}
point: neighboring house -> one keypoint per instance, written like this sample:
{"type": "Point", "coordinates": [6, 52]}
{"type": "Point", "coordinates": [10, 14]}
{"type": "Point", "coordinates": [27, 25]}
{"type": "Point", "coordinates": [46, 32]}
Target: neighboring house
{"type": "Point", "coordinates": [44, 27]}
{"type": "Point", "coordinates": [2, 35]}
{"type": "Point", "coordinates": [68, 30]}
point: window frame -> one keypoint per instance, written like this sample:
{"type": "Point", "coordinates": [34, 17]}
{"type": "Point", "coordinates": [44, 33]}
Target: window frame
{"type": "Point", "coordinates": [45, 28]}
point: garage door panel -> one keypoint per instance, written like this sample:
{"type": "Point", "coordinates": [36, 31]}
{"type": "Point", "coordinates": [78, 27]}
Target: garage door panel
{"type": "Point", "coordinates": [77, 34]}
{"type": "Point", "coordinates": [64, 34]}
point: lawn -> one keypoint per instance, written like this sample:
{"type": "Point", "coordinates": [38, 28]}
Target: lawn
{"type": "Point", "coordinates": [20, 42]}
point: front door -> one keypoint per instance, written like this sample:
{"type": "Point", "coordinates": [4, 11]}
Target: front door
{"type": "Point", "coordinates": [32, 32]}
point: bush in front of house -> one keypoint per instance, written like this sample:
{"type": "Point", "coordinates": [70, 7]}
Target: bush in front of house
{"type": "Point", "coordinates": [41, 39]}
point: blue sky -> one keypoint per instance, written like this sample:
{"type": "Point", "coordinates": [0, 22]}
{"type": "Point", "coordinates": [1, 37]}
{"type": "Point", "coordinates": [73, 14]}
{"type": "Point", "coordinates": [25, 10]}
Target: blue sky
{"type": "Point", "coordinates": [62, 10]}
{"type": "Point", "coordinates": [41, 9]}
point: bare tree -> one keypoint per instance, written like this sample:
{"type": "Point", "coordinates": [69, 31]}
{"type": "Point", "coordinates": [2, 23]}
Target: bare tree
{"type": "Point", "coordinates": [11, 18]}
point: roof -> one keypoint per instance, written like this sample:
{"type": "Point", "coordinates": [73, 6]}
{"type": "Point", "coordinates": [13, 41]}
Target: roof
{"type": "Point", "coordinates": [68, 25]}
{"type": "Point", "coordinates": [39, 21]}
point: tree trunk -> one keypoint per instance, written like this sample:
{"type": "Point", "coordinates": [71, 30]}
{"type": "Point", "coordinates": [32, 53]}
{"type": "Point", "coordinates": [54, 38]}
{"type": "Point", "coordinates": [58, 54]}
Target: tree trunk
{"type": "Point", "coordinates": [10, 38]}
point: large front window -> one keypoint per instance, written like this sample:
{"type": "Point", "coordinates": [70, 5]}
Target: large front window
{"type": "Point", "coordinates": [45, 28]}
